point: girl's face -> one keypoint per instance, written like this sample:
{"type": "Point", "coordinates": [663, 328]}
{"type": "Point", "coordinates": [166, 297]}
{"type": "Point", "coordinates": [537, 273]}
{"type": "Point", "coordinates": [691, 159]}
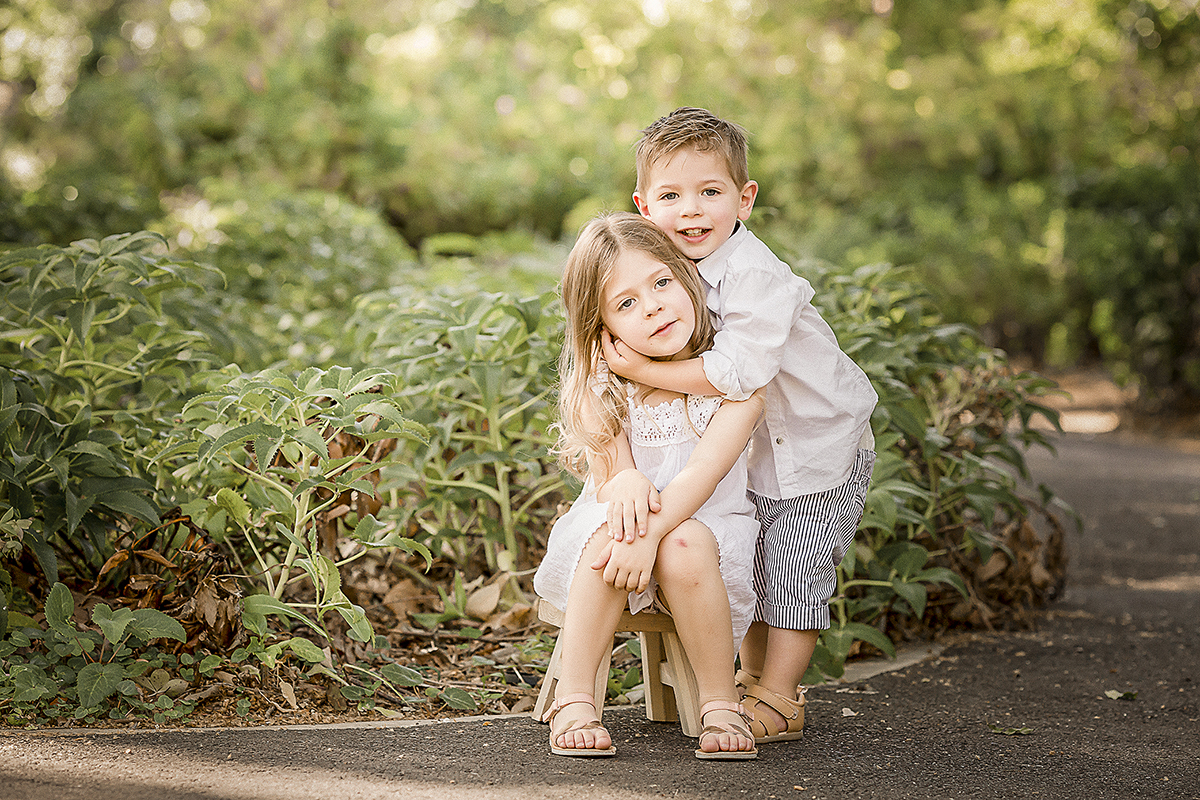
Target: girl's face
{"type": "Point", "coordinates": [645, 307]}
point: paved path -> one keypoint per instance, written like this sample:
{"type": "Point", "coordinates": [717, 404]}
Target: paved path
{"type": "Point", "coordinates": [1127, 624]}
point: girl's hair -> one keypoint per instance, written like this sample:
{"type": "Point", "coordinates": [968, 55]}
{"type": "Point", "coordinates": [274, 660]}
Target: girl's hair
{"type": "Point", "coordinates": [591, 400]}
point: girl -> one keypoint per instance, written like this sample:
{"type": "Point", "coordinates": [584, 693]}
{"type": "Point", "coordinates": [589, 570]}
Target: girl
{"type": "Point", "coordinates": [694, 552]}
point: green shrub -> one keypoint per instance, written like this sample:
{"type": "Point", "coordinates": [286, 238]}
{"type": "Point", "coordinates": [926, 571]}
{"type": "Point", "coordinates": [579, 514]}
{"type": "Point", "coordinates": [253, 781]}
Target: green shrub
{"type": "Point", "coordinates": [95, 352]}
{"type": "Point", "coordinates": [951, 429]}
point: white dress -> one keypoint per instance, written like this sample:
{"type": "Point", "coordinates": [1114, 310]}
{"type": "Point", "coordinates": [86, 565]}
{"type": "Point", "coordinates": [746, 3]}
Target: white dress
{"type": "Point", "coordinates": [662, 437]}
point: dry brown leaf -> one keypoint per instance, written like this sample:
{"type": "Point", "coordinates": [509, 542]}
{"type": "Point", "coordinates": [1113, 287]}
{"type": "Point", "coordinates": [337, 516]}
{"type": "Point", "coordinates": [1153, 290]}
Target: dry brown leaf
{"type": "Point", "coordinates": [482, 602]}
{"type": "Point", "coordinates": [404, 597]}
{"type": "Point", "coordinates": [289, 694]}
{"type": "Point", "coordinates": [518, 617]}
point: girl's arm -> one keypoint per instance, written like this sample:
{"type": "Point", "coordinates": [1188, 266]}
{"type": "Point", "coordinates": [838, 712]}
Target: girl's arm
{"type": "Point", "coordinates": [630, 495]}
{"type": "Point", "coordinates": [723, 441]}
{"type": "Point", "coordinates": [629, 567]}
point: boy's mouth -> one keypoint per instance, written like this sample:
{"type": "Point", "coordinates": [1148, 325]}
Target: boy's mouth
{"type": "Point", "coordinates": [693, 233]}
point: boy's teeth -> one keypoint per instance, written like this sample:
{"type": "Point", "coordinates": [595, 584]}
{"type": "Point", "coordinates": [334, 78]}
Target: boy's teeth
{"type": "Point", "coordinates": [693, 231]}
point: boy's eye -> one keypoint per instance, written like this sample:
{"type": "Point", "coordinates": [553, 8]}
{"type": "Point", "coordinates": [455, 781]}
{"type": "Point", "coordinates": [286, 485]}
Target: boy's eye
{"type": "Point", "coordinates": [711, 192]}
{"type": "Point", "coordinates": [668, 196]}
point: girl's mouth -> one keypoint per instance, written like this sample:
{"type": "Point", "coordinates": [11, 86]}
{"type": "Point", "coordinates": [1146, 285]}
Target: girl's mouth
{"type": "Point", "coordinates": [663, 329]}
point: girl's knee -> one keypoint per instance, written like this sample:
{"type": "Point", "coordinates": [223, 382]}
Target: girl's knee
{"type": "Point", "coordinates": [690, 549]}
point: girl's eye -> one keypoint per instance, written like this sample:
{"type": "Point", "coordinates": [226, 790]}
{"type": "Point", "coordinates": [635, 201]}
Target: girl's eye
{"type": "Point", "coordinates": [624, 304]}
{"type": "Point", "coordinates": [661, 282]}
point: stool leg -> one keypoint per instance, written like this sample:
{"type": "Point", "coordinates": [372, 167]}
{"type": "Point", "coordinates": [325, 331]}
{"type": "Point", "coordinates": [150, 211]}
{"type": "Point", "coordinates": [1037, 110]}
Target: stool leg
{"type": "Point", "coordinates": [660, 699]}
{"type": "Point", "coordinates": [549, 683]}
{"type": "Point", "coordinates": [601, 689]}
{"type": "Point", "coordinates": [683, 680]}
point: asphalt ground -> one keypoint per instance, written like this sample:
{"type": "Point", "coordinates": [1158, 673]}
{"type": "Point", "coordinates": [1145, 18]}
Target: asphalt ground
{"type": "Point", "coordinates": [1098, 701]}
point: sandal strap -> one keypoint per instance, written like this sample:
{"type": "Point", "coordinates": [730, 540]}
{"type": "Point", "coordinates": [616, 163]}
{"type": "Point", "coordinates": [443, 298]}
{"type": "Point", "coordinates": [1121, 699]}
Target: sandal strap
{"type": "Point", "coordinates": [724, 705]}
{"type": "Point", "coordinates": [732, 727]}
{"type": "Point", "coordinates": [562, 702]}
{"type": "Point", "coordinates": [788, 709]}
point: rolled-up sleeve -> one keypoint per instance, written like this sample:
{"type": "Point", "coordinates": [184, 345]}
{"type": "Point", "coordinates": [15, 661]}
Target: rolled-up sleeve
{"type": "Point", "coordinates": [759, 307]}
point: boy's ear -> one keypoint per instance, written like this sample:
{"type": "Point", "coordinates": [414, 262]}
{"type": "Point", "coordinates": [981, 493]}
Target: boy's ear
{"type": "Point", "coordinates": [642, 208]}
{"type": "Point", "coordinates": [746, 204]}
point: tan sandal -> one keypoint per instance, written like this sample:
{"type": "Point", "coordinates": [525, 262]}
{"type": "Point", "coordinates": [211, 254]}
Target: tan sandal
{"type": "Point", "coordinates": [729, 727]}
{"type": "Point", "coordinates": [743, 680]}
{"type": "Point", "coordinates": [763, 725]}
{"type": "Point", "coordinates": [578, 752]}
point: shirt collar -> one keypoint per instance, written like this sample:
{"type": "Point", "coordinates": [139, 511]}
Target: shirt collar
{"type": "Point", "coordinates": [712, 267]}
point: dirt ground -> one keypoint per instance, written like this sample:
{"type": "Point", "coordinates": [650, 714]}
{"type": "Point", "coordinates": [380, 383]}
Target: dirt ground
{"type": "Point", "coordinates": [1099, 701]}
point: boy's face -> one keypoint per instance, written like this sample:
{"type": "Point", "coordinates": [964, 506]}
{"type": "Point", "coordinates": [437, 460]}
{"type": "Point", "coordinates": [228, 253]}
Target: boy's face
{"type": "Point", "coordinates": [691, 196]}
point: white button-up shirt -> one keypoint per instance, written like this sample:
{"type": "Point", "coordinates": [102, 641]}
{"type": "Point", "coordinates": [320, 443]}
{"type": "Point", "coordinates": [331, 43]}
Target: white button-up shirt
{"type": "Point", "coordinates": [818, 402]}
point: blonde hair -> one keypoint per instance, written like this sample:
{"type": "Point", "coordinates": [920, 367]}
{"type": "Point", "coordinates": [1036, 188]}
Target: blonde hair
{"type": "Point", "coordinates": [699, 130]}
{"type": "Point", "coordinates": [591, 400]}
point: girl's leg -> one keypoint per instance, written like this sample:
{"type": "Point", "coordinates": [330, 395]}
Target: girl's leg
{"type": "Point", "coordinates": [592, 612]}
{"type": "Point", "coordinates": [689, 576]}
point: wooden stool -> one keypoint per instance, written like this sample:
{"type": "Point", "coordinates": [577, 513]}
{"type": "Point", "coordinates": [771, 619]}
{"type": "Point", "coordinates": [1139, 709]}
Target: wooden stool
{"type": "Point", "coordinates": [671, 690]}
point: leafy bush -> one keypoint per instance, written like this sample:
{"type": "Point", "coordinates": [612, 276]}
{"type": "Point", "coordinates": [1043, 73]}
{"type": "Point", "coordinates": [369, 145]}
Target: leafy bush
{"type": "Point", "coordinates": [951, 429]}
{"type": "Point", "coordinates": [478, 372]}
{"type": "Point", "coordinates": [96, 352]}
{"type": "Point", "coordinates": [305, 453]}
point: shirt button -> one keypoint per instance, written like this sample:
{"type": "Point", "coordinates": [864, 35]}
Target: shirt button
{"type": "Point", "coordinates": [779, 440]}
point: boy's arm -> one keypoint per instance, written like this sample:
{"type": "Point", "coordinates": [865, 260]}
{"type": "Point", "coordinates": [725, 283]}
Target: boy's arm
{"type": "Point", "coordinates": [685, 377]}
{"type": "Point", "coordinates": [758, 306]}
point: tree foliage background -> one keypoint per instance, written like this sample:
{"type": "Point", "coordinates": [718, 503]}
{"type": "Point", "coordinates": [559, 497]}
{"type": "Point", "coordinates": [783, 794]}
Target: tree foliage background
{"type": "Point", "coordinates": [1037, 162]}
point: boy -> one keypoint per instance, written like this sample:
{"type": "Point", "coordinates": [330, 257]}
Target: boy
{"type": "Point", "coordinates": [812, 454]}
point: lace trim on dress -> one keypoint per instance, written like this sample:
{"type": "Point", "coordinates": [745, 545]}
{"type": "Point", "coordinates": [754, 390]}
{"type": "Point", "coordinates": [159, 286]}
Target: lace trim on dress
{"type": "Point", "coordinates": [673, 422]}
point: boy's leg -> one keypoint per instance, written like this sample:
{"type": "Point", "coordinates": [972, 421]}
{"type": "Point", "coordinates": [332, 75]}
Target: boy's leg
{"type": "Point", "coordinates": [591, 616]}
{"type": "Point", "coordinates": [802, 542]}
{"type": "Point", "coordinates": [689, 576]}
{"type": "Point", "coordinates": [778, 657]}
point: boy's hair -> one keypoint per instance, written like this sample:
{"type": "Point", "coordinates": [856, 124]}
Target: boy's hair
{"type": "Point", "coordinates": [591, 400]}
{"type": "Point", "coordinates": [700, 130]}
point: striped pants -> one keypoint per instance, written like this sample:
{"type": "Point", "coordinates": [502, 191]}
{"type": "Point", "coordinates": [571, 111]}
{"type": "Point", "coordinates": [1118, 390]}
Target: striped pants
{"type": "Point", "coordinates": [801, 541]}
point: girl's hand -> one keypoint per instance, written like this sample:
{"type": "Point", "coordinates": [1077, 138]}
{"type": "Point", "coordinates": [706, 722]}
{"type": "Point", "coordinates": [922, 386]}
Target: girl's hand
{"type": "Point", "coordinates": [631, 498]}
{"type": "Point", "coordinates": [622, 359]}
{"type": "Point", "coordinates": [628, 568]}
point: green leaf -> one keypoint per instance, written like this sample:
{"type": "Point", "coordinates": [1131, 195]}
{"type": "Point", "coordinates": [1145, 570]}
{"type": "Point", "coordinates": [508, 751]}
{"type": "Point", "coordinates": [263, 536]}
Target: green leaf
{"type": "Point", "coordinates": [913, 593]}
{"type": "Point", "coordinates": [1009, 731]}
{"type": "Point", "coordinates": [307, 651]}
{"type": "Point", "coordinates": [234, 504]}
{"type": "Point", "coordinates": [401, 676]}
{"type": "Point", "coordinates": [1115, 694]}
{"type": "Point", "coordinates": [112, 624]}
{"type": "Point", "coordinates": [911, 560]}
{"type": "Point", "coordinates": [60, 606]}
{"type": "Point", "coordinates": [311, 438]}
{"type": "Point", "coordinates": [150, 623]}
{"type": "Point", "coordinates": [125, 502]}
{"type": "Point", "coordinates": [457, 699]}
{"type": "Point", "coordinates": [95, 682]}
{"type": "Point", "coordinates": [872, 636]}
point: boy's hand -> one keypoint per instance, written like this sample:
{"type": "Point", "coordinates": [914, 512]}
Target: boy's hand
{"type": "Point", "coordinates": [631, 498]}
{"type": "Point", "coordinates": [622, 359]}
{"type": "Point", "coordinates": [628, 568]}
